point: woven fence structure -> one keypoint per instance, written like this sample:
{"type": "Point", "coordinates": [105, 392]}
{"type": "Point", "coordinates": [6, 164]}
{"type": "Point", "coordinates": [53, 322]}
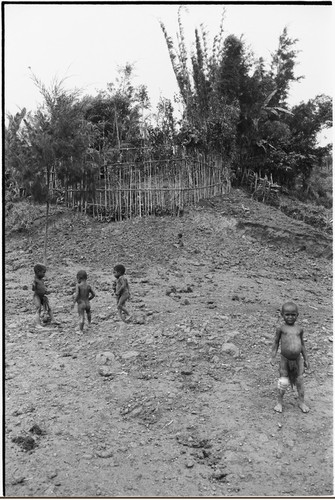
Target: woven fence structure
{"type": "Point", "coordinates": [150, 187]}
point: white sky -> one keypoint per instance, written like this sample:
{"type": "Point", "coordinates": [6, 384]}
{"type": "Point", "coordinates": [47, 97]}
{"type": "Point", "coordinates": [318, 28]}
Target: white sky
{"type": "Point", "coordinates": [86, 43]}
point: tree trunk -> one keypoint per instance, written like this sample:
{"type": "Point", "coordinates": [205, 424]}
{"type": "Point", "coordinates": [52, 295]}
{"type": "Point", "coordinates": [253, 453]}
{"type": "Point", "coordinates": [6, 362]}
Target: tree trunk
{"type": "Point", "coordinates": [46, 222]}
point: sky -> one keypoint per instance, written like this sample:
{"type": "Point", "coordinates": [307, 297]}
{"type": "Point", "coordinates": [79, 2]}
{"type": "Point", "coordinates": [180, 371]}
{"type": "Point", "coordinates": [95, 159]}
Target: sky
{"type": "Point", "coordinates": [85, 44]}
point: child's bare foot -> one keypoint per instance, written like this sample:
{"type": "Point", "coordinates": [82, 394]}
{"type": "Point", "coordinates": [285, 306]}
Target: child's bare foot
{"type": "Point", "coordinates": [304, 408]}
{"type": "Point", "coordinates": [278, 408]}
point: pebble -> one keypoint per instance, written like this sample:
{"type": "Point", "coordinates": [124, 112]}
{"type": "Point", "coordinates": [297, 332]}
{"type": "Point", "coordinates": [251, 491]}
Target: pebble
{"type": "Point", "coordinates": [104, 371]}
{"type": "Point", "coordinates": [186, 371]}
{"type": "Point", "coordinates": [230, 348]}
{"type": "Point", "coordinates": [105, 357]}
{"type": "Point", "coordinates": [104, 454]}
{"type": "Point", "coordinates": [130, 354]}
{"type": "Point", "coordinates": [18, 480]}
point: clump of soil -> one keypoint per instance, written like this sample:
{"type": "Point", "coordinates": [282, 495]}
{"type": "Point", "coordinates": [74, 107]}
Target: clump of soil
{"type": "Point", "coordinates": [26, 443]}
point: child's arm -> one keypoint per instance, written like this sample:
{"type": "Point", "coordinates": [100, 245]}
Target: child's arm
{"type": "Point", "coordinates": [120, 286]}
{"type": "Point", "coordinates": [91, 293]}
{"type": "Point", "coordinates": [275, 345]}
{"type": "Point", "coordinates": [303, 350]}
{"type": "Point", "coordinates": [76, 296]}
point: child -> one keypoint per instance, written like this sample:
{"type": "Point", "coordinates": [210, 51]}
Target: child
{"type": "Point", "coordinates": [121, 290]}
{"type": "Point", "coordinates": [293, 356]}
{"type": "Point", "coordinates": [40, 295]}
{"type": "Point", "coordinates": [84, 293]}
{"type": "Point", "coordinates": [180, 242]}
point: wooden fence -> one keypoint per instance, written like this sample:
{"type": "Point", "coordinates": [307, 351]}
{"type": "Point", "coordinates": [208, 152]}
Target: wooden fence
{"type": "Point", "coordinates": [164, 186]}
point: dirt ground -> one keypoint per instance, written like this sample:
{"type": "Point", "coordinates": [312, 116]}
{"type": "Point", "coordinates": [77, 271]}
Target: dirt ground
{"type": "Point", "coordinates": [179, 402]}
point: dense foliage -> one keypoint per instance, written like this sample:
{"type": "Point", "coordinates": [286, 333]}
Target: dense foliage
{"type": "Point", "coordinates": [237, 107]}
{"type": "Point", "coordinates": [233, 106]}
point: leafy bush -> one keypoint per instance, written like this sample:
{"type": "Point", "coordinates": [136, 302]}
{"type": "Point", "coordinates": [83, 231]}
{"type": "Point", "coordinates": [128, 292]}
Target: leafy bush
{"type": "Point", "coordinates": [19, 216]}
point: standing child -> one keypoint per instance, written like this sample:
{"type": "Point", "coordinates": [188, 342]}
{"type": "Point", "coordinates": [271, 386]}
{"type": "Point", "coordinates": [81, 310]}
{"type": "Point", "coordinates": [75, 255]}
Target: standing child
{"type": "Point", "coordinates": [40, 295]}
{"type": "Point", "coordinates": [121, 291]}
{"type": "Point", "coordinates": [293, 356]}
{"type": "Point", "coordinates": [84, 293]}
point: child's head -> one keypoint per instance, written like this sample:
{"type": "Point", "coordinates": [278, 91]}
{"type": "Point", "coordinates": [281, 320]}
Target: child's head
{"type": "Point", "coordinates": [81, 276]}
{"type": "Point", "coordinates": [119, 270]}
{"type": "Point", "coordinates": [289, 312]}
{"type": "Point", "coordinates": [40, 270]}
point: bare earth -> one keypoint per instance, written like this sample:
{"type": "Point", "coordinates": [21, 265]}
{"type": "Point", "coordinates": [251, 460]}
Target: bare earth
{"type": "Point", "coordinates": [179, 402]}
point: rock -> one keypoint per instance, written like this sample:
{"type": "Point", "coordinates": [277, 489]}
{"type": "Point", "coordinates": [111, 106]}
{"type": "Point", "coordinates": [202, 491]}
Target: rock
{"type": "Point", "coordinates": [185, 302]}
{"type": "Point", "coordinates": [25, 287]}
{"type": "Point", "coordinates": [235, 297]}
{"type": "Point", "coordinates": [130, 354]}
{"type": "Point", "coordinates": [215, 359]}
{"type": "Point", "coordinates": [219, 475]}
{"type": "Point", "coordinates": [186, 371]}
{"type": "Point", "coordinates": [138, 319]}
{"type": "Point", "coordinates": [104, 371]}
{"type": "Point", "coordinates": [104, 358]}
{"type": "Point", "coordinates": [230, 348]}
{"type": "Point", "coordinates": [52, 474]}
{"type": "Point", "coordinates": [231, 335]}
{"type": "Point", "coordinates": [18, 480]}
{"type": "Point", "coordinates": [35, 429]}
{"type": "Point", "coordinates": [189, 465]}
{"type": "Point", "coordinates": [104, 454]}
{"type": "Point", "coordinates": [27, 443]}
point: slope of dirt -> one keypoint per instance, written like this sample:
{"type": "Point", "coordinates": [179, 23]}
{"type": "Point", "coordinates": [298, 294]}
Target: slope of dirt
{"type": "Point", "coordinates": [179, 402]}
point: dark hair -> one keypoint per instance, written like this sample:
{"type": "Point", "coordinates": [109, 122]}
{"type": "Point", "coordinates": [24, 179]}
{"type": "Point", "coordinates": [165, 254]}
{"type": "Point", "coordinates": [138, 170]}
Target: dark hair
{"type": "Point", "coordinates": [82, 275]}
{"type": "Point", "coordinates": [119, 268]}
{"type": "Point", "coordinates": [39, 268]}
{"type": "Point", "coordinates": [289, 304]}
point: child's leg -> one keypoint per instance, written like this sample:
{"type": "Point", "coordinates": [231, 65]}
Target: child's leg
{"type": "Point", "coordinates": [37, 303]}
{"type": "Point", "coordinates": [48, 309]}
{"type": "Point", "coordinates": [283, 372]}
{"type": "Point", "coordinates": [300, 387]}
{"type": "Point", "coordinates": [279, 405]}
{"type": "Point", "coordinates": [88, 312]}
{"type": "Point", "coordinates": [120, 306]}
{"type": "Point", "coordinates": [81, 314]}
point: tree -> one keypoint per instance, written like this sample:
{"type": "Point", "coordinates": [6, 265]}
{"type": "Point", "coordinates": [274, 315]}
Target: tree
{"type": "Point", "coordinates": [162, 131]}
{"type": "Point", "coordinates": [210, 117]}
{"type": "Point", "coordinates": [118, 115]}
{"type": "Point", "coordinates": [58, 141]}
